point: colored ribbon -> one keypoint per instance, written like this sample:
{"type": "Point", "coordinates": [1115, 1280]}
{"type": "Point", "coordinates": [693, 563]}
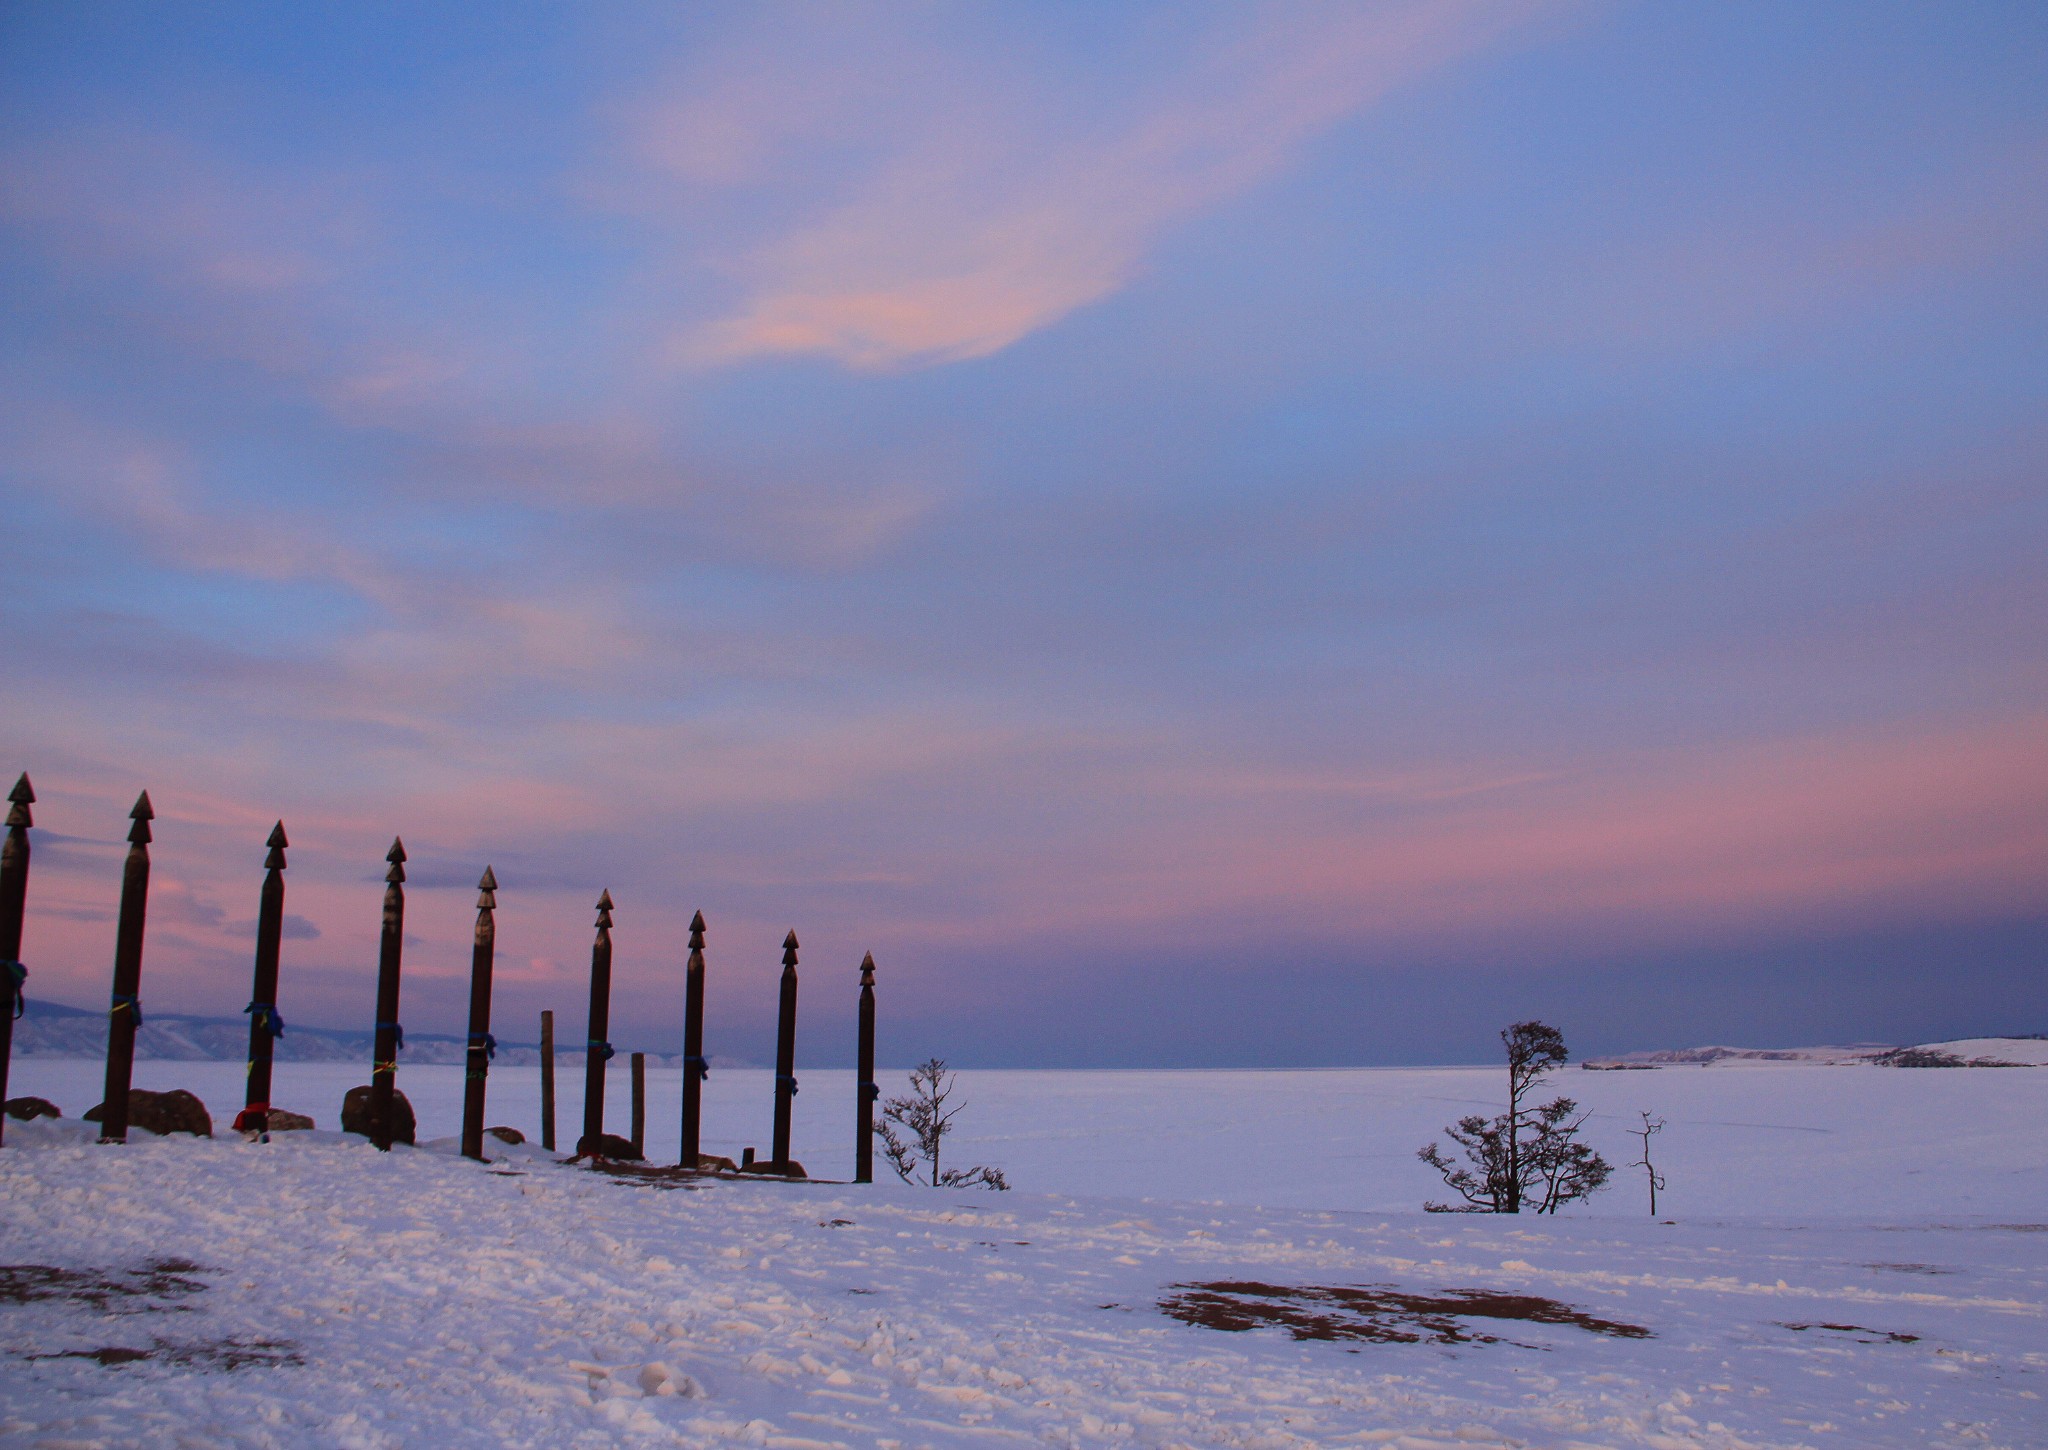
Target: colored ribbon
{"type": "Point", "coordinates": [398, 1044]}
{"type": "Point", "coordinates": [701, 1064]}
{"type": "Point", "coordinates": [872, 1091]}
{"type": "Point", "coordinates": [123, 999]}
{"type": "Point", "coordinates": [484, 1040]}
{"type": "Point", "coordinates": [604, 1049]}
{"type": "Point", "coordinates": [785, 1077]}
{"type": "Point", "coordinates": [266, 1017]}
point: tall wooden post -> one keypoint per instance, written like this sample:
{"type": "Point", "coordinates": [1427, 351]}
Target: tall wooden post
{"type": "Point", "coordinates": [482, 1046]}
{"type": "Point", "coordinates": [389, 1035]}
{"type": "Point", "coordinates": [13, 906]}
{"type": "Point", "coordinates": [785, 1051]}
{"type": "Point", "coordinates": [639, 1061]}
{"type": "Point", "coordinates": [598, 1051]}
{"type": "Point", "coordinates": [265, 1026]}
{"type": "Point", "coordinates": [125, 1013]}
{"type": "Point", "coordinates": [547, 1081]}
{"type": "Point", "coordinates": [867, 1092]}
{"type": "Point", "coordinates": [695, 1067]}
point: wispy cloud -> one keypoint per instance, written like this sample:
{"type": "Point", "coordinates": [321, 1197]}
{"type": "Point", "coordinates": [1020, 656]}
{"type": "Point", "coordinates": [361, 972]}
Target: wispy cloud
{"type": "Point", "coordinates": [982, 208]}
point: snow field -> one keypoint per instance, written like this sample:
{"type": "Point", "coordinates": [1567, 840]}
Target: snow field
{"type": "Point", "coordinates": [430, 1301]}
{"type": "Point", "coordinates": [1745, 1139]}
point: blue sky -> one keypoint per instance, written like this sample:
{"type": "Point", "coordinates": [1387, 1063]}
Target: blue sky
{"type": "Point", "coordinates": [1196, 534]}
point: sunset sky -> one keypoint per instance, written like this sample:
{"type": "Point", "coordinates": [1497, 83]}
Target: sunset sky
{"type": "Point", "coordinates": [1216, 535]}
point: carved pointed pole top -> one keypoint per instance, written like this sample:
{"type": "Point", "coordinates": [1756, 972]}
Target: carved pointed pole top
{"type": "Point", "coordinates": [604, 910]}
{"type": "Point", "coordinates": [277, 842]}
{"type": "Point", "coordinates": [697, 932]}
{"type": "Point", "coordinates": [142, 815]}
{"type": "Point", "coordinates": [867, 970]}
{"type": "Point", "coordinates": [789, 950]}
{"type": "Point", "coordinates": [396, 856]}
{"type": "Point", "coordinates": [487, 891]}
{"type": "Point", "coordinates": [23, 796]}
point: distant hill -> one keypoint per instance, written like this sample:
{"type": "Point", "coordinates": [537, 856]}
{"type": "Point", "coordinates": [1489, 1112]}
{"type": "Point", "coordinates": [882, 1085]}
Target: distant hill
{"type": "Point", "coordinates": [2028, 1051]}
{"type": "Point", "coordinates": [51, 1029]}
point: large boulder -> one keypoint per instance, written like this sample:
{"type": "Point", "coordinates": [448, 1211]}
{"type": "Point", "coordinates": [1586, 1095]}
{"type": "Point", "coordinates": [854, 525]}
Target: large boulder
{"type": "Point", "coordinates": [355, 1114]}
{"type": "Point", "coordinates": [27, 1108]}
{"type": "Point", "coordinates": [607, 1145]}
{"type": "Point", "coordinates": [275, 1120]}
{"type": "Point", "coordinates": [176, 1111]}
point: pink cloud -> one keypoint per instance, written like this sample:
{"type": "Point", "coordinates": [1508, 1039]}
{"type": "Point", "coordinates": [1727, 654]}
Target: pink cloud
{"type": "Point", "coordinates": [994, 210]}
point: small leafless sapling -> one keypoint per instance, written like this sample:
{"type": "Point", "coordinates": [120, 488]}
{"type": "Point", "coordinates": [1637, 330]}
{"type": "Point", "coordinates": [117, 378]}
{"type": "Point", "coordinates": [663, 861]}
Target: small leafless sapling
{"type": "Point", "coordinates": [925, 1120]}
{"type": "Point", "coordinates": [1650, 1128]}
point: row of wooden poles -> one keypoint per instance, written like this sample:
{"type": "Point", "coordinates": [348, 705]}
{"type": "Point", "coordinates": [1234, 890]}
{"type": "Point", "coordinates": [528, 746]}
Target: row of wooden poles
{"type": "Point", "coordinates": [265, 1025]}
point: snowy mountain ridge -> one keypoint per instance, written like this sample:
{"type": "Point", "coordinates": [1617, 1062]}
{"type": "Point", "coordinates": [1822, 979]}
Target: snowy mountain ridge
{"type": "Point", "coordinates": [2031, 1051]}
{"type": "Point", "coordinates": [51, 1029]}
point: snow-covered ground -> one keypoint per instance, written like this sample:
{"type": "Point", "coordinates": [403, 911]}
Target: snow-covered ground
{"type": "Point", "coordinates": [1858, 1258]}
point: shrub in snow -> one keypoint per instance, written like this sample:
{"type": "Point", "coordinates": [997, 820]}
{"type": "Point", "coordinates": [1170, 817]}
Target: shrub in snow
{"type": "Point", "coordinates": [1527, 1158]}
{"type": "Point", "coordinates": [925, 1120]}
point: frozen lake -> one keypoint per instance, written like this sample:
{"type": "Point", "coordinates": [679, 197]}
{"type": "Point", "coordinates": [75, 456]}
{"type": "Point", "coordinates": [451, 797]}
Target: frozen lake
{"type": "Point", "coordinates": [1745, 1140]}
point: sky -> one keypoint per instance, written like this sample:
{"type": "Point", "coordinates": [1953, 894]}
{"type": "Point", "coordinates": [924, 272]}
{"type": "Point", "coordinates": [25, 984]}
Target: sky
{"type": "Point", "coordinates": [1200, 535]}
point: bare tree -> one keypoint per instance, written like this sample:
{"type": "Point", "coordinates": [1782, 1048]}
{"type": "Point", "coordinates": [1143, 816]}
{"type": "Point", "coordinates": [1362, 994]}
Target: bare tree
{"type": "Point", "coordinates": [1650, 1128]}
{"type": "Point", "coordinates": [925, 1120]}
{"type": "Point", "coordinates": [1528, 1157]}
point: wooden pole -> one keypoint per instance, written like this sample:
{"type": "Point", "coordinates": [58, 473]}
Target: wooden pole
{"type": "Point", "coordinates": [785, 1051]}
{"type": "Point", "coordinates": [695, 1068]}
{"type": "Point", "coordinates": [597, 1051]}
{"type": "Point", "coordinates": [547, 1081]}
{"type": "Point", "coordinates": [640, 1103]}
{"type": "Point", "coordinates": [482, 1046]}
{"type": "Point", "coordinates": [13, 906]}
{"type": "Point", "coordinates": [867, 1092]}
{"type": "Point", "coordinates": [265, 1026]}
{"type": "Point", "coordinates": [389, 1035]}
{"type": "Point", "coordinates": [125, 1013]}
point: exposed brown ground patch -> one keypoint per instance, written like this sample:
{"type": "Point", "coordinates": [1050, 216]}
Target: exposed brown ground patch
{"type": "Point", "coordinates": [216, 1354]}
{"type": "Point", "coordinates": [1376, 1313]}
{"type": "Point", "coordinates": [1862, 1335]}
{"type": "Point", "coordinates": [648, 1176]}
{"type": "Point", "coordinates": [104, 1289]}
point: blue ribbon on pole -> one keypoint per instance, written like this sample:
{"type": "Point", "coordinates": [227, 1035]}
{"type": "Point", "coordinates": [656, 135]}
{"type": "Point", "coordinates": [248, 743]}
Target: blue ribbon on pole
{"type": "Point", "coordinates": [785, 1077]}
{"type": "Point", "coordinates": [123, 999]}
{"type": "Point", "coordinates": [701, 1064]}
{"type": "Point", "coordinates": [484, 1040]}
{"type": "Point", "coordinates": [398, 1044]}
{"type": "Point", "coordinates": [602, 1047]}
{"type": "Point", "coordinates": [872, 1091]}
{"type": "Point", "coordinates": [17, 974]}
{"type": "Point", "coordinates": [266, 1017]}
